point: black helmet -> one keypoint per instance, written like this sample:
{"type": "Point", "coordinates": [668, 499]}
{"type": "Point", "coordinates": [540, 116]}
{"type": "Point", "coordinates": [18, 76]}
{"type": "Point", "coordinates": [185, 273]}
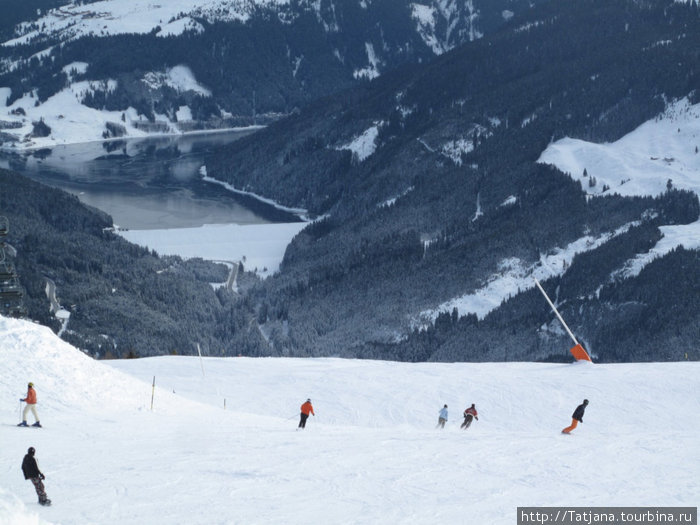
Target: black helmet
{"type": "Point", "coordinates": [445, 406]}
{"type": "Point", "coordinates": [31, 451]}
{"type": "Point", "coordinates": [585, 401]}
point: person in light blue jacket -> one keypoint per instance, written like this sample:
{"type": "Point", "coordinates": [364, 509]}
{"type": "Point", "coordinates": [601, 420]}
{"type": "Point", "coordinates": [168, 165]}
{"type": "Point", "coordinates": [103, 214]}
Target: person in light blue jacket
{"type": "Point", "coordinates": [443, 417]}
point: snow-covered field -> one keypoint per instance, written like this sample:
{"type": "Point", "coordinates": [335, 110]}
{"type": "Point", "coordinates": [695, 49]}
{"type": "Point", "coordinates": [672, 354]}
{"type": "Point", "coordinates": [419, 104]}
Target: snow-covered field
{"type": "Point", "coordinates": [71, 122]}
{"type": "Point", "coordinates": [261, 247]}
{"type": "Point", "coordinates": [371, 454]}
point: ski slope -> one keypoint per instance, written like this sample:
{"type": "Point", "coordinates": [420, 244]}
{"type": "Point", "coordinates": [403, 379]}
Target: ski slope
{"type": "Point", "coordinates": [370, 455]}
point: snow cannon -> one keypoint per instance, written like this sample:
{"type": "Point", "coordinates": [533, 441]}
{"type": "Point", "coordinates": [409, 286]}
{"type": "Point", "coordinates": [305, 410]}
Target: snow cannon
{"type": "Point", "coordinates": [577, 351]}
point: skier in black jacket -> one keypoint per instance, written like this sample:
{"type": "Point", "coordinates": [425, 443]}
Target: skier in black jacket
{"type": "Point", "coordinates": [31, 471]}
{"type": "Point", "coordinates": [576, 417]}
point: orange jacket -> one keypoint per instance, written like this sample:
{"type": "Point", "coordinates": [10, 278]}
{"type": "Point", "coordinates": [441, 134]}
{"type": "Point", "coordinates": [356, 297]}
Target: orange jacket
{"type": "Point", "coordinates": [307, 408]}
{"type": "Point", "coordinates": [31, 396]}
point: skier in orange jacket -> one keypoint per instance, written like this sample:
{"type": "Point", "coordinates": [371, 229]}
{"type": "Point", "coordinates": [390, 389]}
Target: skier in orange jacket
{"type": "Point", "coordinates": [30, 399]}
{"type": "Point", "coordinates": [306, 409]}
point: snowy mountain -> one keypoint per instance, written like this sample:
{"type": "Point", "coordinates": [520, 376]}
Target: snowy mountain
{"type": "Point", "coordinates": [544, 150]}
{"type": "Point", "coordinates": [94, 70]}
{"type": "Point", "coordinates": [439, 191]}
{"type": "Point", "coordinates": [643, 163]}
{"type": "Point", "coordinates": [371, 454]}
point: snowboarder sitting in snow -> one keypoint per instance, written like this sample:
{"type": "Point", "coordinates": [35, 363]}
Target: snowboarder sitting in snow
{"type": "Point", "coordinates": [30, 399]}
{"type": "Point", "coordinates": [576, 417]}
{"type": "Point", "coordinates": [443, 417]}
{"type": "Point", "coordinates": [31, 471]}
{"type": "Point", "coordinates": [469, 414]}
{"type": "Point", "coordinates": [306, 409]}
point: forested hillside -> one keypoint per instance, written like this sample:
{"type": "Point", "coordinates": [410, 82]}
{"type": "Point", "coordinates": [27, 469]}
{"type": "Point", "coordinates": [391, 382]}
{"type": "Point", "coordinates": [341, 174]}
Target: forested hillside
{"type": "Point", "coordinates": [246, 62]}
{"type": "Point", "coordinates": [124, 301]}
{"type": "Point", "coordinates": [428, 188]}
{"type": "Point", "coordinates": [428, 182]}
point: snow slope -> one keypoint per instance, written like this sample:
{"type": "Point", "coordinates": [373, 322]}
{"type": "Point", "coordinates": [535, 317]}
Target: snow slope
{"type": "Point", "coordinates": [73, 122]}
{"type": "Point", "coordinates": [112, 17]}
{"type": "Point", "coordinates": [661, 151]}
{"type": "Point", "coordinates": [70, 121]}
{"type": "Point", "coordinates": [641, 162]}
{"type": "Point", "coordinates": [370, 455]}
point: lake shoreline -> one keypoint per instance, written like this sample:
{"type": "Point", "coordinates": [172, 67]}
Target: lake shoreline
{"type": "Point", "coordinates": [29, 149]}
{"type": "Point", "coordinates": [148, 183]}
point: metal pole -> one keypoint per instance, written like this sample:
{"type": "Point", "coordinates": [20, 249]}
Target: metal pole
{"type": "Point", "coordinates": [555, 311]}
{"type": "Point", "coordinates": [201, 361]}
{"type": "Point", "coordinates": [153, 392]}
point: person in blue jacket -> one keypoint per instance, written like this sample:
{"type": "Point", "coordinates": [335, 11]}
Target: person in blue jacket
{"type": "Point", "coordinates": [443, 417]}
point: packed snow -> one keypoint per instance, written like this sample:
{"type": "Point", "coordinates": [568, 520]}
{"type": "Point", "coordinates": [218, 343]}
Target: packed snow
{"type": "Point", "coordinates": [640, 163]}
{"type": "Point", "coordinates": [220, 445]}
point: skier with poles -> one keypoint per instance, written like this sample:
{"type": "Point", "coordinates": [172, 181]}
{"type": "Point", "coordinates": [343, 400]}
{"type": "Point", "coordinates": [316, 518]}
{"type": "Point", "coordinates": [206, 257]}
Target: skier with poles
{"type": "Point", "coordinates": [469, 414]}
{"type": "Point", "coordinates": [30, 399]}
{"type": "Point", "coordinates": [576, 417]}
{"type": "Point", "coordinates": [306, 409]}
{"type": "Point", "coordinates": [31, 472]}
{"type": "Point", "coordinates": [442, 418]}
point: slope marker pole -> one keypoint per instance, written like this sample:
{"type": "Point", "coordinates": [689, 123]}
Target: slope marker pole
{"type": "Point", "coordinates": [201, 361]}
{"type": "Point", "coordinates": [153, 392]}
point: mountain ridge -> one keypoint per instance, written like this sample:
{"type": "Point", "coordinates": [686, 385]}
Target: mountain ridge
{"type": "Point", "coordinates": [257, 60]}
{"type": "Point", "coordinates": [541, 78]}
{"type": "Point", "coordinates": [427, 186]}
